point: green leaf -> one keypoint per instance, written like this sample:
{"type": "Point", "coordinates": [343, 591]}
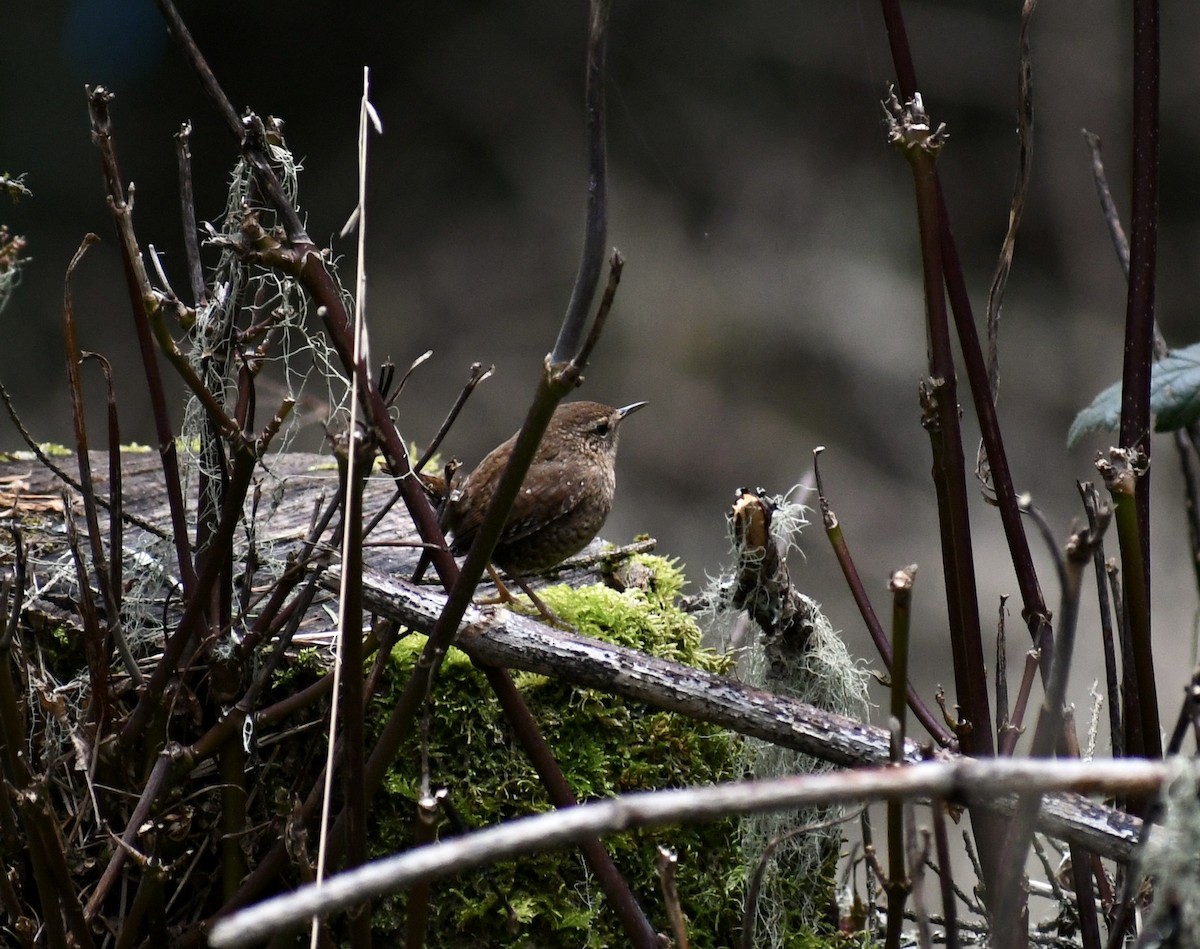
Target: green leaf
{"type": "Point", "coordinates": [1103, 414]}
{"type": "Point", "coordinates": [1174, 398]}
{"type": "Point", "coordinates": [1175, 389]}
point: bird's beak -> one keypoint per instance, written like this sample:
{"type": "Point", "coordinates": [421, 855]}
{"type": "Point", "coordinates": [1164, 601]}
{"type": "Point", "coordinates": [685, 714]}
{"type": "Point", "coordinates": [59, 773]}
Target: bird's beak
{"type": "Point", "coordinates": [630, 409]}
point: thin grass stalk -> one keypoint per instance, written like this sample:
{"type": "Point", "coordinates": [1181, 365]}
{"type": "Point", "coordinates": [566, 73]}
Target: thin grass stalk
{"type": "Point", "coordinates": [352, 689]}
{"type": "Point", "coordinates": [355, 452]}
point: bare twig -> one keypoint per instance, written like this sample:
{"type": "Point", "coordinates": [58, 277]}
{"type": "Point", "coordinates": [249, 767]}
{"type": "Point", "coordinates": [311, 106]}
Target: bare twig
{"type": "Point", "coordinates": [1009, 911]}
{"type": "Point", "coordinates": [191, 243]}
{"type": "Point", "coordinates": [478, 375]}
{"type": "Point", "coordinates": [754, 888]}
{"type": "Point", "coordinates": [1092, 507]}
{"type": "Point", "coordinates": [136, 281]}
{"type": "Point", "coordinates": [1033, 610]}
{"type": "Point", "coordinates": [1107, 205]}
{"type": "Point", "coordinates": [595, 234]}
{"type": "Point", "coordinates": [666, 863]}
{"type": "Point", "coordinates": [841, 550]}
{"type": "Point", "coordinates": [1016, 209]}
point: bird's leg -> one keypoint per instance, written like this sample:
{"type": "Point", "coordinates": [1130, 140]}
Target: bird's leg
{"type": "Point", "coordinates": [505, 595]}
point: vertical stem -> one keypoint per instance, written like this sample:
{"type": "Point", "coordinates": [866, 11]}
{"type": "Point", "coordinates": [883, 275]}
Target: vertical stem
{"type": "Point", "coordinates": [898, 884]}
{"type": "Point", "coordinates": [596, 225]}
{"type": "Point", "coordinates": [920, 146]}
{"type": "Point", "coordinates": [911, 130]}
{"type": "Point", "coordinates": [1139, 349]}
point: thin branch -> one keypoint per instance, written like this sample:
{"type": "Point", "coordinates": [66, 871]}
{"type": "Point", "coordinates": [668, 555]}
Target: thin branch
{"type": "Point", "coordinates": [1009, 909]}
{"type": "Point", "coordinates": [595, 233]}
{"type": "Point", "coordinates": [841, 550]}
{"type": "Point", "coordinates": [478, 375]}
{"type": "Point", "coordinates": [1016, 209]}
{"type": "Point", "coordinates": [616, 264]}
{"type": "Point", "coordinates": [191, 242]}
{"type": "Point", "coordinates": [1092, 507]}
{"type": "Point", "coordinates": [1107, 205]}
{"type": "Point", "coordinates": [666, 863]}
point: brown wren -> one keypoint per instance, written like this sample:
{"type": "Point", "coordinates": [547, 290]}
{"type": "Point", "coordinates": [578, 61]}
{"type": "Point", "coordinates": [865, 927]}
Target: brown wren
{"type": "Point", "coordinates": [564, 500]}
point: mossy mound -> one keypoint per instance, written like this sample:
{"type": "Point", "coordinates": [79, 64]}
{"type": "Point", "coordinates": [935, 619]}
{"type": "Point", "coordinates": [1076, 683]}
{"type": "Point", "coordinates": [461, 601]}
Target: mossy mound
{"type": "Point", "coordinates": [605, 745]}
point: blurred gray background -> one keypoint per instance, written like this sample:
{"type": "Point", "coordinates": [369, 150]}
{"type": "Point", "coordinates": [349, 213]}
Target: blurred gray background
{"type": "Point", "coordinates": [771, 300]}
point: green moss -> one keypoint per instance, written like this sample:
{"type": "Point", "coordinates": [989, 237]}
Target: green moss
{"type": "Point", "coordinates": [52, 449]}
{"type": "Point", "coordinates": [605, 746]}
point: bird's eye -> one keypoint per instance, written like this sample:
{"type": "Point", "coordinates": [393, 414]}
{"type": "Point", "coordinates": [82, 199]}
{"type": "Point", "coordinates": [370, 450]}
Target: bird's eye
{"type": "Point", "coordinates": [601, 429]}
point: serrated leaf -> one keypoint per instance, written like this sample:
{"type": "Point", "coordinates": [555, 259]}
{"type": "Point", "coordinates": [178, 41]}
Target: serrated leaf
{"type": "Point", "coordinates": [1175, 389]}
{"type": "Point", "coordinates": [1174, 398]}
{"type": "Point", "coordinates": [1103, 414]}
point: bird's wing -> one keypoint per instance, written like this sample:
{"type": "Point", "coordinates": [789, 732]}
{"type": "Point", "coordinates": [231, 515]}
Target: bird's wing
{"type": "Point", "coordinates": [556, 494]}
